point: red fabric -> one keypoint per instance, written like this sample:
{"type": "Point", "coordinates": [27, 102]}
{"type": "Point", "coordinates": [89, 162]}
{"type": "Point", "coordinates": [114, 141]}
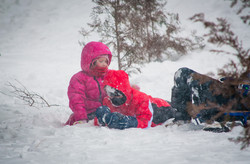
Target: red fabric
{"type": "Point", "coordinates": [137, 103]}
{"type": "Point", "coordinates": [83, 91]}
{"type": "Point", "coordinates": [96, 122]}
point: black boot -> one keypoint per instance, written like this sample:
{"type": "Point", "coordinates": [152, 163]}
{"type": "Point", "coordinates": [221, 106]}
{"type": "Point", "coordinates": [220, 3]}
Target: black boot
{"type": "Point", "coordinates": [162, 114]}
{"type": "Point", "coordinates": [181, 94]}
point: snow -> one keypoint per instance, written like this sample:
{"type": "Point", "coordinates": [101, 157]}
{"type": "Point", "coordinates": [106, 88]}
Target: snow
{"type": "Point", "coordinates": [39, 48]}
{"type": "Point", "coordinates": [109, 90]}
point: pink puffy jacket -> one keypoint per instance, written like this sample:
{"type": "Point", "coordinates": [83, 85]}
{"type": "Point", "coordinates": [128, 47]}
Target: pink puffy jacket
{"type": "Point", "coordinates": [85, 91]}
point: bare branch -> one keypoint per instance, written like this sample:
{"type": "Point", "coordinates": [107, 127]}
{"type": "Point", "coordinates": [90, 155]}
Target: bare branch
{"type": "Point", "coordinates": [30, 98]}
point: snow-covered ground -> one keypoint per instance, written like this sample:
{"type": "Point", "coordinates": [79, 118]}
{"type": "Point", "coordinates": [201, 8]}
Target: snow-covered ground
{"type": "Point", "coordinates": [39, 48]}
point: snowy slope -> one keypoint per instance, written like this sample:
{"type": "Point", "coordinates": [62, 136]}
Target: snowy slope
{"type": "Point", "coordinates": [39, 47]}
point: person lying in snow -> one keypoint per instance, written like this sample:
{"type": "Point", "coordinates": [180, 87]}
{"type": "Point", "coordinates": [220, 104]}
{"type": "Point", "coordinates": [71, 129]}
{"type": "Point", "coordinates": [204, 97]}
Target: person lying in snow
{"type": "Point", "coordinates": [127, 107]}
{"type": "Point", "coordinates": [198, 96]}
{"type": "Point", "coordinates": [85, 90]}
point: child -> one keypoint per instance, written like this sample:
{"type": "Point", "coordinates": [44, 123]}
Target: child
{"type": "Point", "coordinates": [127, 107]}
{"type": "Point", "coordinates": [85, 89]}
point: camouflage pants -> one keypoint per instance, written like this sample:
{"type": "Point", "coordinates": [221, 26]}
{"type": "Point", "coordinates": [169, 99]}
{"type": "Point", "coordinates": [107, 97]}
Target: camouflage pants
{"type": "Point", "coordinates": [192, 89]}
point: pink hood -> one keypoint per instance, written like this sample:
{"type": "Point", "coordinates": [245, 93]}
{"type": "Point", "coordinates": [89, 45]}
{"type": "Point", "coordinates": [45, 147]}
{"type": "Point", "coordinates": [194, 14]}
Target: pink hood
{"type": "Point", "coordinates": [91, 51]}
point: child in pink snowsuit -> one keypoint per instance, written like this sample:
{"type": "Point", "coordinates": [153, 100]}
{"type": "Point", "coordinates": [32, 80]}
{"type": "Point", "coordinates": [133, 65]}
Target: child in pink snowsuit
{"type": "Point", "coordinates": [85, 89]}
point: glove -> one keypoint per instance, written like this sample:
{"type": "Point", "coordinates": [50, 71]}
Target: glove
{"type": "Point", "coordinates": [100, 113]}
{"type": "Point", "coordinates": [119, 121]}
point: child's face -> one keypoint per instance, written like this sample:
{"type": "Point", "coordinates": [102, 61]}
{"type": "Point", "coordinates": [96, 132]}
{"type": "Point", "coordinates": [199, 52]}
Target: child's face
{"type": "Point", "coordinates": [101, 62]}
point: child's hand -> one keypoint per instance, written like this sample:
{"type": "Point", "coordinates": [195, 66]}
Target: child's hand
{"type": "Point", "coordinates": [80, 122]}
